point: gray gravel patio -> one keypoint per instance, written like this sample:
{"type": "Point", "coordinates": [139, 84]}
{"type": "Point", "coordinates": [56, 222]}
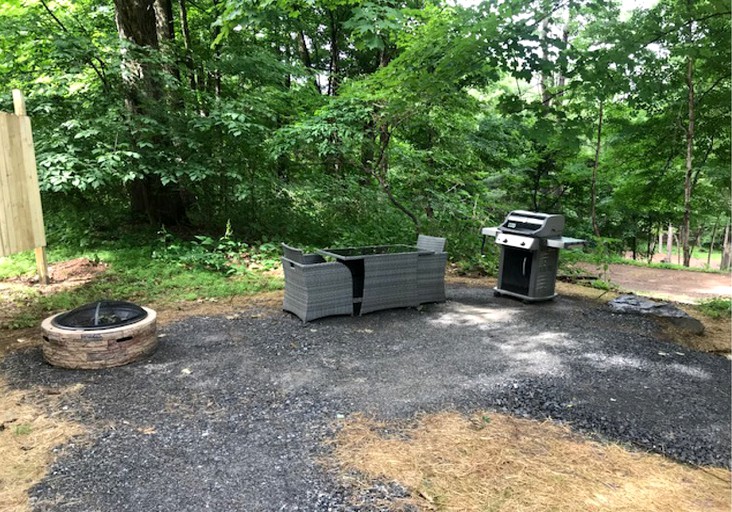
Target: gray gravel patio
{"type": "Point", "coordinates": [231, 413]}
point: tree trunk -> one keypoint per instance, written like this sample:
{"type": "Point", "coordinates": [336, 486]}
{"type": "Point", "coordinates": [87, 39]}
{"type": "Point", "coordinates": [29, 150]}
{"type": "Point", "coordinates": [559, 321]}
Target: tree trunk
{"type": "Point", "coordinates": [334, 64]}
{"type": "Point", "coordinates": [669, 242]}
{"type": "Point", "coordinates": [651, 242]}
{"type": "Point", "coordinates": [536, 185]}
{"type": "Point", "coordinates": [726, 249]}
{"type": "Point", "coordinates": [137, 23]}
{"type": "Point", "coordinates": [685, 228]}
{"type": "Point", "coordinates": [595, 165]}
{"type": "Point", "coordinates": [215, 74]}
{"type": "Point", "coordinates": [660, 239]}
{"type": "Point", "coordinates": [657, 246]}
{"type": "Point", "coordinates": [634, 247]}
{"type": "Point", "coordinates": [695, 241]}
{"type": "Point", "coordinates": [544, 80]}
{"type": "Point", "coordinates": [185, 30]}
{"type": "Point", "coordinates": [711, 243]}
{"type": "Point", "coordinates": [164, 20]}
{"type": "Point", "coordinates": [307, 61]}
{"type": "Point", "coordinates": [380, 171]}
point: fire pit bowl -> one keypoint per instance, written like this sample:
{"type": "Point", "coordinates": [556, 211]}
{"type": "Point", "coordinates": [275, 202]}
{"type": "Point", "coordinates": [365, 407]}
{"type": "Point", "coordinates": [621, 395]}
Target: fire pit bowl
{"type": "Point", "coordinates": [100, 334]}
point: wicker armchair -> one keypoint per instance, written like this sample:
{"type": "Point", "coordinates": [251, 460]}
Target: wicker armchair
{"type": "Point", "coordinates": [314, 288]}
{"type": "Point", "coordinates": [431, 269]}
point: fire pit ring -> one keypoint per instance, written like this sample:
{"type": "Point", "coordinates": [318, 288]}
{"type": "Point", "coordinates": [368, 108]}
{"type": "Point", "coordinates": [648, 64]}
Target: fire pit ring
{"type": "Point", "coordinates": [100, 334]}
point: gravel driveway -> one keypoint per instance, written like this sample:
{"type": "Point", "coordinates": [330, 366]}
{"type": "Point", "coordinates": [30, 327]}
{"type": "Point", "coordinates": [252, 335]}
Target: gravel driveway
{"type": "Point", "coordinates": [230, 414]}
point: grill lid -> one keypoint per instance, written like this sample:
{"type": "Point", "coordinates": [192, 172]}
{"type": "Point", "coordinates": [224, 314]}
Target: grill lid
{"type": "Point", "coordinates": [100, 315]}
{"type": "Point", "coordinates": [536, 224]}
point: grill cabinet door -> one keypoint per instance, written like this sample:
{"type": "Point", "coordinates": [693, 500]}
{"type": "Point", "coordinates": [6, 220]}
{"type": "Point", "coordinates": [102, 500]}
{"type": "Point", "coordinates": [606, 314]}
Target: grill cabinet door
{"type": "Point", "coordinates": [516, 270]}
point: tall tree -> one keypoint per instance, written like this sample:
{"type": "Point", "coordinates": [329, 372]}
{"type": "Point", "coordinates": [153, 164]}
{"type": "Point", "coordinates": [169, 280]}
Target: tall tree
{"type": "Point", "coordinates": [141, 25]}
{"type": "Point", "coordinates": [683, 43]}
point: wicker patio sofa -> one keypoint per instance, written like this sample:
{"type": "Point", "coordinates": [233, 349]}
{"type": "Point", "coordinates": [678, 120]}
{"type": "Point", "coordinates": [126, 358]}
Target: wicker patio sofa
{"type": "Point", "coordinates": [315, 288]}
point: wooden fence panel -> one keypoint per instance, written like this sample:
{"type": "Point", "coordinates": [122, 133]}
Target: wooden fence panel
{"type": "Point", "coordinates": [21, 213]}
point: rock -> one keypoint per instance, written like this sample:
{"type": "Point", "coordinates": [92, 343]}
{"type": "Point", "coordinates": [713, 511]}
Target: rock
{"type": "Point", "coordinates": [640, 306]}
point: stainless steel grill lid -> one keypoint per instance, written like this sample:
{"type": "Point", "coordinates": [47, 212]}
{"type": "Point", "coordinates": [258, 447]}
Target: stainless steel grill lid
{"type": "Point", "coordinates": [536, 224]}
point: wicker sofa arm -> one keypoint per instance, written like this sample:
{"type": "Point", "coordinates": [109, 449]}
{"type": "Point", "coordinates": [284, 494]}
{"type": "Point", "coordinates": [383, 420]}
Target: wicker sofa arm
{"type": "Point", "coordinates": [431, 277]}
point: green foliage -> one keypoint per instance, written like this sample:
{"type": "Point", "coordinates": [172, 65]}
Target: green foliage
{"type": "Point", "coordinates": [225, 254]}
{"type": "Point", "coordinates": [600, 253]}
{"type": "Point", "coordinates": [17, 265]}
{"type": "Point", "coordinates": [22, 430]}
{"type": "Point", "coordinates": [716, 308]}
{"type": "Point", "coordinates": [602, 284]}
{"type": "Point", "coordinates": [349, 122]}
{"type": "Point", "coordinates": [133, 275]}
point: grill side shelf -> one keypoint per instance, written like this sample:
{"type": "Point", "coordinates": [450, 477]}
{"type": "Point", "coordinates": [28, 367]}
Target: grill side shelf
{"type": "Point", "coordinates": [565, 242]}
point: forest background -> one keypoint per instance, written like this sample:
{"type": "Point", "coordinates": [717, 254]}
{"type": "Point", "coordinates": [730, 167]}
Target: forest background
{"type": "Point", "coordinates": [349, 122]}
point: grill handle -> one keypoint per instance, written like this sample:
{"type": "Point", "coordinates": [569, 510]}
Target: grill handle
{"type": "Point", "coordinates": [523, 270]}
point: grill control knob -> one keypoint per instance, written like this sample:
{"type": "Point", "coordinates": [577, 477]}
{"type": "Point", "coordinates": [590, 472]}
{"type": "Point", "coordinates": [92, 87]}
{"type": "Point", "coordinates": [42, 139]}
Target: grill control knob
{"type": "Point", "coordinates": [523, 243]}
{"type": "Point", "coordinates": [505, 240]}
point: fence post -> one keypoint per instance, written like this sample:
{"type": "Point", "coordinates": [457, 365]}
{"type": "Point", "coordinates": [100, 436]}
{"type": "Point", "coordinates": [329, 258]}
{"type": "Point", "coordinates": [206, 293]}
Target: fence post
{"type": "Point", "coordinates": [41, 260]}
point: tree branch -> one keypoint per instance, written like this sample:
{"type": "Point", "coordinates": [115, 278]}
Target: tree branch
{"type": "Point", "coordinates": [686, 24]}
{"type": "Point", "coordinates": [711, 87]}
{"type": "Point", "coordinates": [88, 60]}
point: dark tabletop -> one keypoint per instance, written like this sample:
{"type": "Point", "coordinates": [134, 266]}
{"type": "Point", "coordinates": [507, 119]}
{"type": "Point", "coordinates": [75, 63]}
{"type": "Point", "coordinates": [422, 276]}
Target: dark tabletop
{"type": "Point", "coordinates": [356, 252]}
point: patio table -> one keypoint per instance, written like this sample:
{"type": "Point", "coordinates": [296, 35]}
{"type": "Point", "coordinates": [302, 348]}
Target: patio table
{"type": "Point", "coordinates": [384, 276]}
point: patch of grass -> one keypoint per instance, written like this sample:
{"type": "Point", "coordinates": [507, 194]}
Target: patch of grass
{"type": "Point", "coordinates": [20, 264]}
{"type": "Point", "coordinates": [22, 430]}
{"type": "Point", "coordinates": [136, 276]}
{"type": "Point", "coordinates": [602, 284]}
{"type": "Point", "coordinates": [716, 308]}
{"type": "Point", "coordinates": [224, 254]}
{"type": "Point", "coordinates": [450, 462]}
{"type": "Point", "coordinates": [605, 259]}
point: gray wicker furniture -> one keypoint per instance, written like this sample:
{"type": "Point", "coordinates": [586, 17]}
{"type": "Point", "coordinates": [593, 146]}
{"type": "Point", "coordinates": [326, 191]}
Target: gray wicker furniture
{"type": "Point", "coordinates": [298, 256]}
{"type": "Point", "coordinates": [389, 281]}
{"type": "Point", "coordinates": [431, 269]}
{"type": "Point", "coordinates": [314, 288]}
{"type": "Point", "coordinates": [431, 243]}
{"type": "Point", "coordinates": [383, 276]}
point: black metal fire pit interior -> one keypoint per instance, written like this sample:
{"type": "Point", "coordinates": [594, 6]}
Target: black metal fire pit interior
{"type": "Point", "coordinates": [104, 314]}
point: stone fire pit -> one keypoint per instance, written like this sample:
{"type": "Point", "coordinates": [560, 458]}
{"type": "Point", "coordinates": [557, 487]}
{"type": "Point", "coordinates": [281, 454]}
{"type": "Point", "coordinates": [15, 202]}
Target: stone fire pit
{"type": "Point", "coordinates": [101, 334]}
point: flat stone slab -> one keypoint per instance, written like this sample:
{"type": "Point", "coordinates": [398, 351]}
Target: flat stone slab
{"type": "Point", "coordinates": [633, 304]}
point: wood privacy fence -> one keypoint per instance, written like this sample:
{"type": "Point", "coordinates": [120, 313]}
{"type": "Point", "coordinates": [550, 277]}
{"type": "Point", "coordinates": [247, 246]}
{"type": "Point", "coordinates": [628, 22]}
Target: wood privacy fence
{"type": "Point", "coordinates": [21, 214]}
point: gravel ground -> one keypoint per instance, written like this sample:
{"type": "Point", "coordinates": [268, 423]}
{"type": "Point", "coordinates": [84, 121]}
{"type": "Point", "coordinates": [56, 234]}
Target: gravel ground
{"type": "Point", "coordinates": [232, 413]}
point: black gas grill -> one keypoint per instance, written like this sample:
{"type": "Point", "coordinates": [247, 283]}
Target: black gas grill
{"type": "Point", "coordinates": [530, 243]}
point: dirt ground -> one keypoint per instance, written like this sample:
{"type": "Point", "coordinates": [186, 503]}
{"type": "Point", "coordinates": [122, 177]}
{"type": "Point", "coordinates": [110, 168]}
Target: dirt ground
{"type": "Point", "coordinates": [676, 285]}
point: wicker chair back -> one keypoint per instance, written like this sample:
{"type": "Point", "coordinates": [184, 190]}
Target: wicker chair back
{"type": "Point", "coordinates": [292, 253]}
{"type": "Point", "coordinates": [296, 255]}
{"type": "Point", "coordinates": [431, 243]}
